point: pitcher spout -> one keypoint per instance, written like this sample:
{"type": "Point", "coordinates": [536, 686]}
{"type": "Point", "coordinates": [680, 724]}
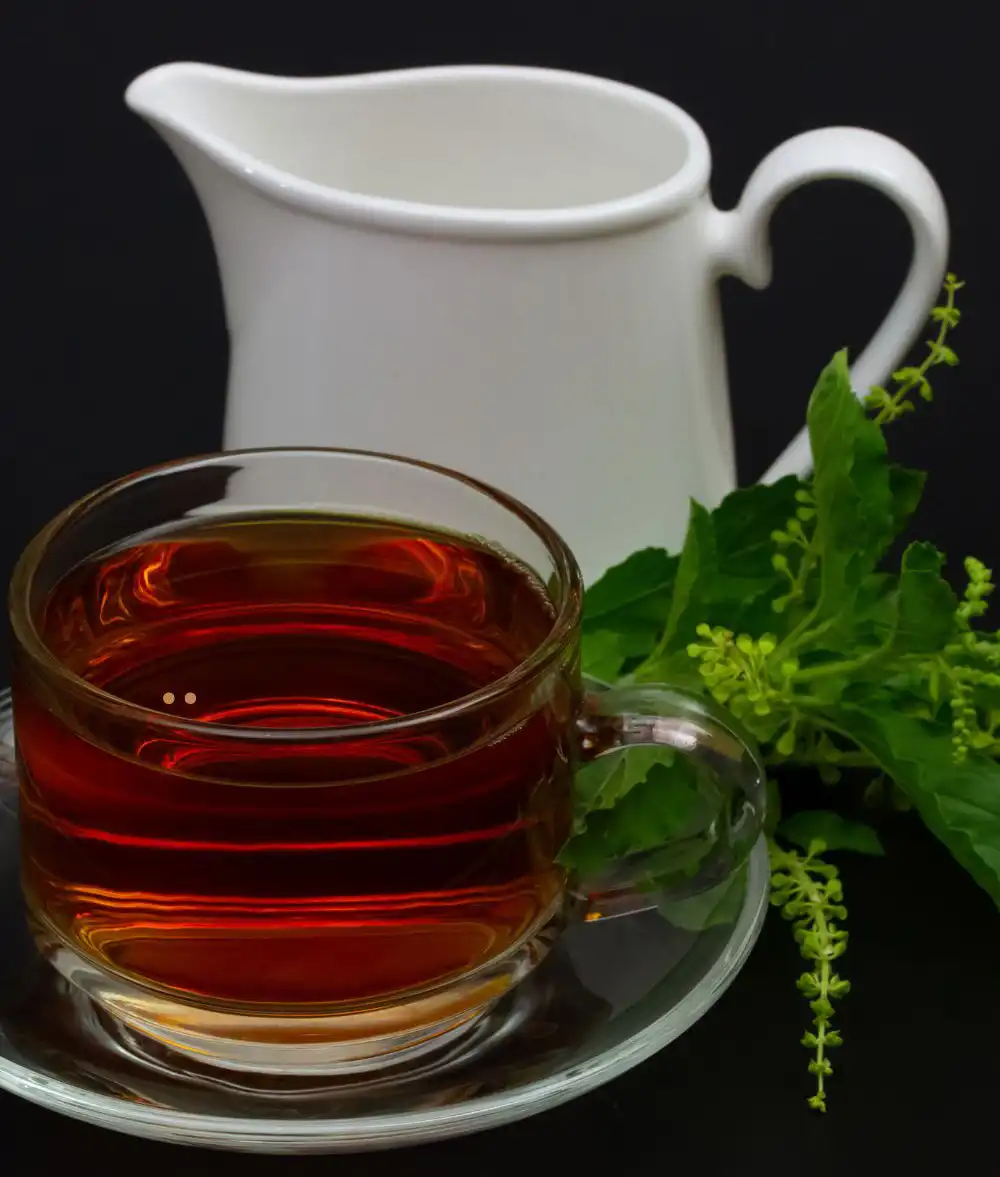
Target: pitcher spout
{"type": "Point", "coordinates": [167, 95]}
{"type": "Point", "coordinates": [213, 109]}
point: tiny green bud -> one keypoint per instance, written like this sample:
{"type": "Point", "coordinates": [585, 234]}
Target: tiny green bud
{"type": "Point", "coordinates": [786, 744]}
{"type": "Point", "coordinates": [744, 643]}
{"type": "Point", "coordinates": [703, 630]}
{"type": "Point", "coordinates": [779, 562]}
{"type": "Point", "coordinates": [789, 667]}
{"type": "Point", "coordinates": [767, 644]}
{"type": "Point", "coordinates": [827, 748]}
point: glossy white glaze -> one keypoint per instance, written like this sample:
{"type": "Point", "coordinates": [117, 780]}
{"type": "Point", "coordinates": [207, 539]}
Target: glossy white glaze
{"type": "Point", "coordinates": [509, 271]}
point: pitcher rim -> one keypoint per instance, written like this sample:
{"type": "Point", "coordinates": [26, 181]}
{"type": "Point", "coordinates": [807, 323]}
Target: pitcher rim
{"type": "Point", "coordinates": [599, 218]}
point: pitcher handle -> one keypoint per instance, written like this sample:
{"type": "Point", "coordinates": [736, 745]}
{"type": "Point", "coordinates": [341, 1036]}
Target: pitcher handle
{"type": "Point", "coordinates": [843, 153]}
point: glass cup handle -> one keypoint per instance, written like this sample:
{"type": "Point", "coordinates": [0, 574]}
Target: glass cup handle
{"type": "Point", "coordinates": [729, 777]}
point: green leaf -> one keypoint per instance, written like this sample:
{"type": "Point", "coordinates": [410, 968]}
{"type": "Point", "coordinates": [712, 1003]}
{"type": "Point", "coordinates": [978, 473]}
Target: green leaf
{"type": "Point", "coordinates": [695, 573]}
{"type": "Point", "coordinates": [906, 488]}
{"type": "Point", "coordinates": [875, 608]}
{"type": "Point", "coordinates": [745, 581]}
{"type": "Point", "coordinates": [725, 576]}
{"type": "Point", "coordinates": [959, 803]}
{"type": "Point", "coordinates": [604, 781]}
{"type": "Point", "coordinates": [654, 812]}
{"type": "Point", "coordinates": [625, 611]}
{"type": "Point", "coordinates": [719, 905]}
{"type": "Point", "coordinates": [602, 655]}
{"type": "Point", "coordinates": [664, 867]}
{"type": "Point", "coordinates": [743, 523]}
{"type": "Point", "coordinates": [834, 831]}
{"type": "Point", "coordinates": [868, 623]}
{"type": "Point", "coordinates": [925, 604]}
{"type": "Point", "coordinates": [638, 587]}
{"type": "Point", "coordinates": [855, 515]}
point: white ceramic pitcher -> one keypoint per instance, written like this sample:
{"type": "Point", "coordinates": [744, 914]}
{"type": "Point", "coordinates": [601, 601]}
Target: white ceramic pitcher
{"type": "Point", "coordinates": [510, 271]}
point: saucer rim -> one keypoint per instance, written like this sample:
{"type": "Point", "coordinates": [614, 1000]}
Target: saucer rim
{"type": "Point", "coordinates": [387, 1130]}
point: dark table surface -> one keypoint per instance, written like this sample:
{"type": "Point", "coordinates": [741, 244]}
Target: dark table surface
{"type": "Point", "coordinates": [115, 328]}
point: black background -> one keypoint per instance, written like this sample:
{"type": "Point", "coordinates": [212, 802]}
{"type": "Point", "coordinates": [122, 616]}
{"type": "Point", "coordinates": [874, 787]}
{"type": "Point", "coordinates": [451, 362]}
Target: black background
{"type": "Point", "coordinates": [116, 358]}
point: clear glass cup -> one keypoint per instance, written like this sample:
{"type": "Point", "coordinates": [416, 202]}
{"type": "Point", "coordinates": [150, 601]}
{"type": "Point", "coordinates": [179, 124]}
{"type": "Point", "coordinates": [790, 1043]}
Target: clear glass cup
{"type": "Point", "coordinates": [269, 894]}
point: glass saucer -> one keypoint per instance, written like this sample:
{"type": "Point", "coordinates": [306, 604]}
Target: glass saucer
{"type": "Point", "coordinates": [610, 994]}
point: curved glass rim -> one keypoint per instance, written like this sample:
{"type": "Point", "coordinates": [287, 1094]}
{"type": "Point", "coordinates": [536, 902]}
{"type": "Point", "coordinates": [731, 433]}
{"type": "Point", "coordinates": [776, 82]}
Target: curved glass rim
{"type": "Point", "coordinates": [31, 643]}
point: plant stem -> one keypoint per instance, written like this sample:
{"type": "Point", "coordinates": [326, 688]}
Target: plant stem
{"type": "Point", "coordinates": [847, 666]}
{"type": "Point", "coordinates": [812, 892]}
{"type": "Point", "coordinates": [844, 760]}
{"type": "Point", "coordinates": [788, 645]}
{"type": "Point", "coordinates": [809, 894]}
{"type": "Point", "coordinates": [888, 411]}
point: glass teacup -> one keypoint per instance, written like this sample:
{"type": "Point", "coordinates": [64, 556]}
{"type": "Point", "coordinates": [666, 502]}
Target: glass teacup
{"type": "Point", "coordinates": [297, 732]}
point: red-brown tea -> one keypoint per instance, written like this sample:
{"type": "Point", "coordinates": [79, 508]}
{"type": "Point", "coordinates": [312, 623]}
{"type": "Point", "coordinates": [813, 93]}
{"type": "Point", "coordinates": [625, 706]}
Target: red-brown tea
{"type": "Point", "coordinates": [242, 867]}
